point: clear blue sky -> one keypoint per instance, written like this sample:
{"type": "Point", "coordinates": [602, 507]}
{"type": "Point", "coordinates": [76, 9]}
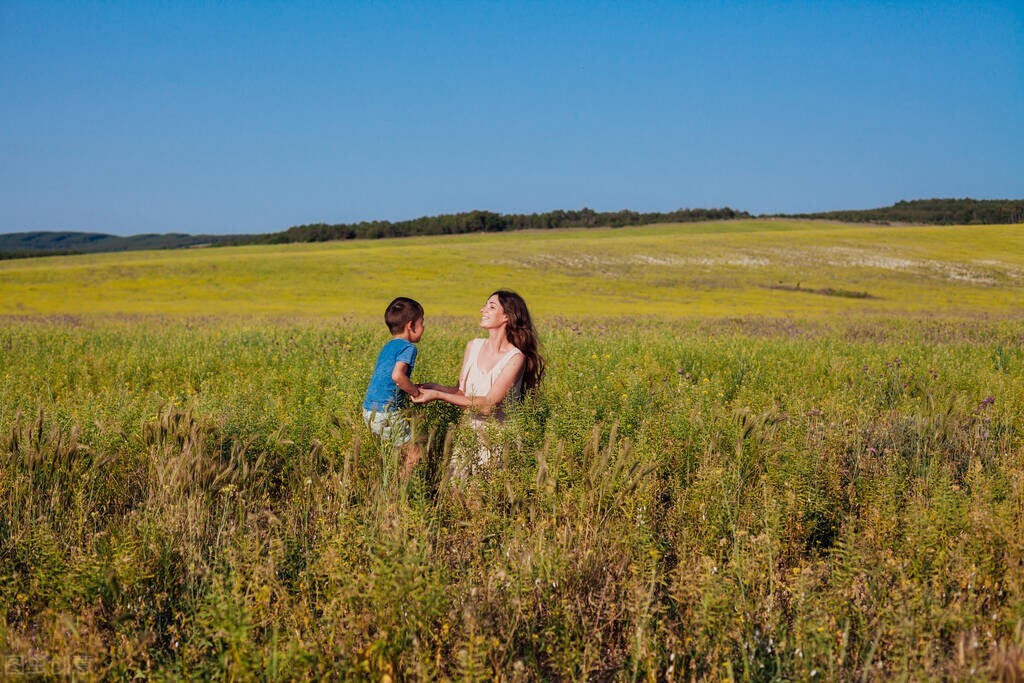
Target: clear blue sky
{"type": "Point", "coordinates": [219, 117]}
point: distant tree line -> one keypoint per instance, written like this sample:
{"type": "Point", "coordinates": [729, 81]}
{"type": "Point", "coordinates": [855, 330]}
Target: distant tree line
{"type": "Point", "coordinates": [921, 211]}
{"type": "Point", "coordinates": [487, 221]}
{"type": "Point", "coordinates": [936, 212]}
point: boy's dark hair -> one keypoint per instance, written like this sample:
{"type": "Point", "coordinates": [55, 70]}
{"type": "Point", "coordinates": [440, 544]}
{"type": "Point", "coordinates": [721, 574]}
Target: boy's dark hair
{"type": "Point", "coordinates": [401, 312]}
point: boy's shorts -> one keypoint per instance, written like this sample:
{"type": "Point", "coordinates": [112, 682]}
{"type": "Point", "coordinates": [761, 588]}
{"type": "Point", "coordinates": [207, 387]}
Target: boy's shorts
{"type": "Point", "coordinates": [389, 425]}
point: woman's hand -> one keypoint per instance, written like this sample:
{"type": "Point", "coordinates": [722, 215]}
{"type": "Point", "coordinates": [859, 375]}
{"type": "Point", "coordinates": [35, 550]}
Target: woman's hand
{"type": "Point", "coordinates": [425, 396]}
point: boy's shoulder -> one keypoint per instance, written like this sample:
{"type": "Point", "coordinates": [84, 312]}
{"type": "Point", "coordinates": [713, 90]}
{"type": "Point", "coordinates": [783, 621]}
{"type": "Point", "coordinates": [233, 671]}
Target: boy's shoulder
{"type": "Point", "coordinates": [398, 342]}
{"type": "Point", "coordinates": [396, 346]}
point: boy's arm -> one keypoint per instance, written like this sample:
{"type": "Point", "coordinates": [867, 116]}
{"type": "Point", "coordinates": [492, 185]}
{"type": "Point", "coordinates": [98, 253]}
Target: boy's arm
{"type": "Point", "coordinates": [400, 375]}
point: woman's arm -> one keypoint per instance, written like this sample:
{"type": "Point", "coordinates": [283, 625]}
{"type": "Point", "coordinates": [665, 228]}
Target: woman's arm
{"type": "Point", "coordinates": [439, 387]}
{"type": "Point", "coordinates": [483, 405]}
{"type": "Point", "coordinates": [434, 389]}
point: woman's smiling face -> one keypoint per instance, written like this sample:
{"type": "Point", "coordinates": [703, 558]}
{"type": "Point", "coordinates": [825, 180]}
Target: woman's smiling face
{"type": "Point", "coordinates": [492, 315]}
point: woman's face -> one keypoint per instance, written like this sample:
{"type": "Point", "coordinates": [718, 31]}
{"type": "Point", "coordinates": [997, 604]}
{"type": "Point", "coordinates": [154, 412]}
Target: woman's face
{"type": "Point", "coordinates": [492, 315]}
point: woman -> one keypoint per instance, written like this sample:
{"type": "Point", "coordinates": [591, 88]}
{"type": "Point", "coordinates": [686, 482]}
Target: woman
{"type": "Point", "coordinates": [495, 369]}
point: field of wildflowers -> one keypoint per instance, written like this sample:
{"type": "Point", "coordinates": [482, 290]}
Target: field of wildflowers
{"type": "Point", "coordinates": [744, 496]}
{"type": "Point", "coordinates": [754, 500]}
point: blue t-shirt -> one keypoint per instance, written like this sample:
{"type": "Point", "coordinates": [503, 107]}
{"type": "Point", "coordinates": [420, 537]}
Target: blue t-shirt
{"type": "Point", "coordinates": [383, 393]}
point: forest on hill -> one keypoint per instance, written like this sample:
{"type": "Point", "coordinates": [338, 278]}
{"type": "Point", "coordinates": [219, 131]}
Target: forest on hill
{"type": "Point", "coordinates": [488, 221]}
{"type": "Point", "coordinates": [933, 212]}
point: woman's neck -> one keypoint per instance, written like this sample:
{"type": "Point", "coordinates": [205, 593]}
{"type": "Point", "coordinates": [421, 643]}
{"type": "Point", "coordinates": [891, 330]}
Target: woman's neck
{"type": "Point", "coordinates": [497, 339]}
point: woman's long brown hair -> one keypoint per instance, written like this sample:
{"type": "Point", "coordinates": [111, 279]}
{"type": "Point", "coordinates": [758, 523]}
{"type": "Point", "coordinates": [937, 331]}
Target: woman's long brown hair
{"type": "Point", "coordinates": [522, 335]}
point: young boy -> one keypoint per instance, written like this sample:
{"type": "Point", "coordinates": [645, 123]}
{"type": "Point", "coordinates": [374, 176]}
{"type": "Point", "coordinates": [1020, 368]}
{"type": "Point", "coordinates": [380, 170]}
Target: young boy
{"type": "Point", "coordinates": [384, 397]}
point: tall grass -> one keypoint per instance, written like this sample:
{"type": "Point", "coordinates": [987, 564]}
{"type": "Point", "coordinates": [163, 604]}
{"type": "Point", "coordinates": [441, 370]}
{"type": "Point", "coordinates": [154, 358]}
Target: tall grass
{"type": "Point", "coordinates": [746, 499]}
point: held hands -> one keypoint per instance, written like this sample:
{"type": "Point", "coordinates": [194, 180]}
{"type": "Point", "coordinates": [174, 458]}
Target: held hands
{"type": "Point", "coordinates": [431, 391]}
{"type": "Point", "coordinates": [425, 396]}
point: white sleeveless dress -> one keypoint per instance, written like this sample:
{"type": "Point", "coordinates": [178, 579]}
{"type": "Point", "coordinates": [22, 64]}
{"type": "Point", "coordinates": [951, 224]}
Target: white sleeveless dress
{"type": "Point", "coordinates": [475, 382]}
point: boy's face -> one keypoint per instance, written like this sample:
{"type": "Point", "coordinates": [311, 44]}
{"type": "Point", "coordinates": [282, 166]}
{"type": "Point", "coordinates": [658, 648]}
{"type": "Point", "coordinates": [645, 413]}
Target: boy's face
{"type": "Point", "coordinates": [416, 330]}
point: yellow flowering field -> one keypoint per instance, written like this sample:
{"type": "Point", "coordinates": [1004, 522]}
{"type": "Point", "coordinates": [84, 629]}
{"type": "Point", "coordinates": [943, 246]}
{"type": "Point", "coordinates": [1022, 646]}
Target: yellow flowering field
{"type": "Point", "coordinates": [769, 268]}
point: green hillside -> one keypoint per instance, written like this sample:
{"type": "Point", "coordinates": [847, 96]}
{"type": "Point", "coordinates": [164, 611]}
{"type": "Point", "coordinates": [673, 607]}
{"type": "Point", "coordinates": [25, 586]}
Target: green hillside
{"type": "Point", "coordinates": [39, 243]}
{"type": "Point", "coordinates": [769, 268]}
